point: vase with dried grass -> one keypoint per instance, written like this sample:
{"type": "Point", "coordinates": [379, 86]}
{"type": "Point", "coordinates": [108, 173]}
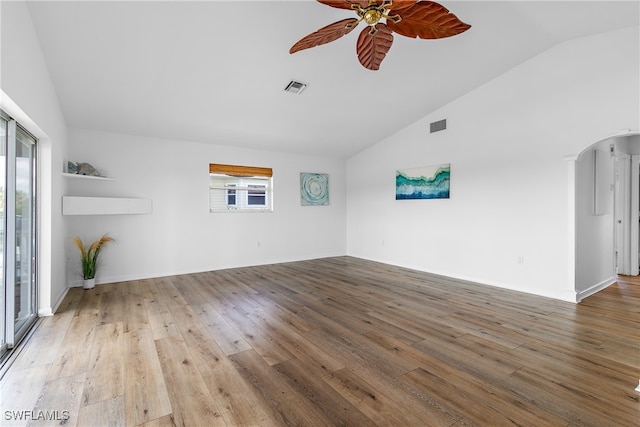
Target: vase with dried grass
{"type": "Point", "coordinates": [89, 258]}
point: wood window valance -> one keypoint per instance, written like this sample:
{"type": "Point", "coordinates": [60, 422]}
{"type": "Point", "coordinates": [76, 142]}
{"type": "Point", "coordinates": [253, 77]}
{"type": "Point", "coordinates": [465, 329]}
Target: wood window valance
{"type": "Point", "coordinates": [235, 170]}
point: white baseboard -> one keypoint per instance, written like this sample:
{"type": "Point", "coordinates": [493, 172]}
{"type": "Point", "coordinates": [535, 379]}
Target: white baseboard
{"type": "Point", "coordinates": [595, 288]}
{"type": "Point", "coordinates": [49, 311]}
{"type": "Point", "coordinates": [132, 277]}
{"type": "Point", "coordinates": [46, 312]}
{"type": "Point", "coordinates": [561, 295]}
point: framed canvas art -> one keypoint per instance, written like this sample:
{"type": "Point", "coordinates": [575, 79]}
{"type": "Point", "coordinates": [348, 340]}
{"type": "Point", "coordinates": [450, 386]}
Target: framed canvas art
{"type": "Point", "coordinates": [428, 182]}
{"type": "Point", "coordinates": [314, 189]}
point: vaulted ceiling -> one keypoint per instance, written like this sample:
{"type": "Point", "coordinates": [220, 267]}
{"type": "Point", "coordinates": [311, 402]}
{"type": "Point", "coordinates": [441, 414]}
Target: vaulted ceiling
{"type": "Point", "coordinates": [215, 71]}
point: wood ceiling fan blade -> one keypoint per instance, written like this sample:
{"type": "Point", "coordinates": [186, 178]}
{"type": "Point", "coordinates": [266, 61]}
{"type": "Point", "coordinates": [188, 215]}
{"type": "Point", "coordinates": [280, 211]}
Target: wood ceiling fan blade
{"type": "Point", "coordinates": [427, 20]}
{"type": "Point", "coordinates": [325, 35]}
{"type": "Point", "coordinates": [344, 4]}
{"type": "Point", "coordinates": [401, 4]}
{"type": "Point", "coordinates": [372, 48]}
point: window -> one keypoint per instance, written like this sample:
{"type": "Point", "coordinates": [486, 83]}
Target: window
{"type": "Point", "coordinates": [257, 195]}
{"type": "Point", "coordinates": [231, 195]}
{"type": "Point", "coordinates": [235, 188]}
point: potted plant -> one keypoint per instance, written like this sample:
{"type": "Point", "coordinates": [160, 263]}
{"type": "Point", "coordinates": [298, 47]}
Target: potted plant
{"type": "Point", "coordinates": [89, 258]}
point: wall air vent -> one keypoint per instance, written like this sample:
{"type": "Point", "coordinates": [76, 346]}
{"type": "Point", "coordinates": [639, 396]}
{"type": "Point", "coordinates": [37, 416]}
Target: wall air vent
{"type": "Point", "coordinates": [439, 125]}
{"type": "Point", "coordinates": [295, 87]}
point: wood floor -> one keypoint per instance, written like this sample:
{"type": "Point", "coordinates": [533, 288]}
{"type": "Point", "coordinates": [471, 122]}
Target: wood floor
{"type": "Point", "coordinates": [337, 341]}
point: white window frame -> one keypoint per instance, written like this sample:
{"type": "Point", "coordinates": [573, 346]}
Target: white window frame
{"type": "Point", "coordinates": [231, 192]}
{"type": "Point", "coordinates": [221, 186]}
{"type": "Point", "coordinates": [257, 190]}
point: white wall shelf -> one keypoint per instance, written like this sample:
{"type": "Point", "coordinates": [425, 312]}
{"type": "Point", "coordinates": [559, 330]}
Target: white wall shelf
{"type": "Point", "coordinates": [96, 178]}
{"type": "Point", "coordinates": [75, 205]}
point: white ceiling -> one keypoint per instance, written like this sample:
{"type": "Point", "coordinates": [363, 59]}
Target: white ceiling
{"type": "Point", "coordinates": [214, 71]}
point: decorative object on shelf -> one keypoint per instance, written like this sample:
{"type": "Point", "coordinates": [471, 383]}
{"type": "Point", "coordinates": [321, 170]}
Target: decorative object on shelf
{"type": "Point", "coordinates": [409, 18]}
{"type": "Point", "coordinates": [429, 182]}
{"type": "Point", "coordinates": [89, 258]}
{"type": "Point", "coordinates": [87, 169]}
{"type": "Point", "coordinates": [72, 167]}
{"type": "Point", "coordinates": [314, 189]}
{"type": "Point", "coordinates": [83, 168]}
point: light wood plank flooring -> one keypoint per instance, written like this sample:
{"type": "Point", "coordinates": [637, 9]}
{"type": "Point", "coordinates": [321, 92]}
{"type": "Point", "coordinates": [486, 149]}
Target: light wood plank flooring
{"type": "Point", "coordinates": [336, 341]}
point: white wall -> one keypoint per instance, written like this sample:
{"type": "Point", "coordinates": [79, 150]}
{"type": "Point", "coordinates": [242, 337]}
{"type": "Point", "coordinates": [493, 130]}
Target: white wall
{"type": "Point", "coordinates": [28, 95]}
{"type": "Point", "coordinates": [507, 222]}
{"type": "Point", "coordinates": [595, 236]}
{"type": "Point", "coordinates": [628, 144]}
{"type": "Point", "coordinates": [181, 236]}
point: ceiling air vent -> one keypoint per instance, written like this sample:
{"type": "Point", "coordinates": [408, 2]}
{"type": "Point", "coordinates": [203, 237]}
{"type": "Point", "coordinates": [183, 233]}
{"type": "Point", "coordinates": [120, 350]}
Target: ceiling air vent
{"type": "Point", "coordinates": [439, 125]}
{"type": "Point", "coordinates": [295, 87]}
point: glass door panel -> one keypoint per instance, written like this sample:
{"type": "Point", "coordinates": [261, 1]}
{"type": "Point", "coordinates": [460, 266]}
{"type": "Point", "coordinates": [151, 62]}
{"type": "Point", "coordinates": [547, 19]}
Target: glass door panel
{"type": "Point", "coordinates": [17, 232]}
{"type": "Point", "coordinates": [25, 304]}
{"type": "Point", "coordinates": [3, 186]}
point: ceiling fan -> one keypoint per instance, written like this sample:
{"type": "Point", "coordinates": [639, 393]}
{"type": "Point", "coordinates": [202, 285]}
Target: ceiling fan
{"type": "Point", "coordinates": [409, 18]}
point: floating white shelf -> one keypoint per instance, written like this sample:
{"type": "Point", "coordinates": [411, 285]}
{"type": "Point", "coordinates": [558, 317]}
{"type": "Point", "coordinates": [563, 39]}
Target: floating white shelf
{"type": "Point", "coordinates": [96, 178]}
{"type": "Point", "coordinates": [74, 205]}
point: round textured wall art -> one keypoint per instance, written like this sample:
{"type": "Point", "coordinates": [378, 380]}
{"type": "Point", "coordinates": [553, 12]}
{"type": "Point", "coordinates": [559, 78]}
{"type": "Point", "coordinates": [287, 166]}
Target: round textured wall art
{"type": "Point", "coordinates": [314, 189]}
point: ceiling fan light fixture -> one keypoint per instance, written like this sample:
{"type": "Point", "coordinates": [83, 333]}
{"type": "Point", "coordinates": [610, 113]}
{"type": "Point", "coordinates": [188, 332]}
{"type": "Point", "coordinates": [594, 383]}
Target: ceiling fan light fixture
{"type": "Point", "coordinates": [295, 87]}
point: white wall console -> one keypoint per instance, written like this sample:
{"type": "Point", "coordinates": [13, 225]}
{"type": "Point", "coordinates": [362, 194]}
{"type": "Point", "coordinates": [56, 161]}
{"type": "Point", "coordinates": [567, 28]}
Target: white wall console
{"type": "Point", "coordinates": [74, 205]}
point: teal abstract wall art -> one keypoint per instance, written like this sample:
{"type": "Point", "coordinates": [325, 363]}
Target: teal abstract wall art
{"type": "Point", "coordinates": [314, 189]}
{"type": "Point", "coordinates": [429, 182]}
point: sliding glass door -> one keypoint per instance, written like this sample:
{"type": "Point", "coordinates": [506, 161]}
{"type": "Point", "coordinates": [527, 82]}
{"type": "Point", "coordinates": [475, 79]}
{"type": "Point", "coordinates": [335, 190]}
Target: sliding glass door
{"type": "Point", "coordinates": [18, 233]}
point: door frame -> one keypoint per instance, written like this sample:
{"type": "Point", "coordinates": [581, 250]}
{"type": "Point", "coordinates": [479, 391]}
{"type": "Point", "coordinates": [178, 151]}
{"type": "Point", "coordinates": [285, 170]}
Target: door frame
{"type": "Point", "coordinates": [13, 332]}
{"type": "Point", "coordinates": [627, 212]}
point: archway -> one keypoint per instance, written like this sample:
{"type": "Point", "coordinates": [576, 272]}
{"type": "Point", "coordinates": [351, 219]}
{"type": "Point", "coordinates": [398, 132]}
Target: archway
{"type": "Point", "coordinates": [606, 189]}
